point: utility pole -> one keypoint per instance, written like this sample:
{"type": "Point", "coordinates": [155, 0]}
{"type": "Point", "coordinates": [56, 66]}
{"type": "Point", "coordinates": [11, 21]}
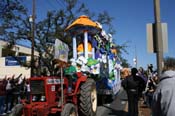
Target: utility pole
{"type": "Point", "coordinates": [33, 37]}
{"type": "Point", "coordinates": [158, 37]}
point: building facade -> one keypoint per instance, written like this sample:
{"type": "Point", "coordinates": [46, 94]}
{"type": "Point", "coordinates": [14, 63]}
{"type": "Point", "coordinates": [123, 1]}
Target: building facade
{"type": "Point", "coordinates": [11, 58]}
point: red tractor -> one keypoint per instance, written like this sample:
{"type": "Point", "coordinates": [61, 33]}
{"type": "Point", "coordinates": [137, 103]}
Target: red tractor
{"type": "Point", "coordinates": [53, 96]}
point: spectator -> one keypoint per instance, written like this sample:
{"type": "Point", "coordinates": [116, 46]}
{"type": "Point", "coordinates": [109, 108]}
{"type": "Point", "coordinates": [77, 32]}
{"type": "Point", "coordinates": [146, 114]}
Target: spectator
{"type": "Point", "coordinates": [150, 68]}
{"type": "Point", "coordinates": [18, 89]}
{"type": "Point", "coordinates": [150, 90]}
{"type": "Point", "coordinates": [2, 95]}
{"type": "Point", "coordinates": [8, 96]}
{"type": "Point", "coordinates": [22, 88]}
{"type": "Point", "coordinates": [125, 72]}
{"type": "Point", "coordinates": [134, 85]}
{"type": "Point", "coordinates": [13, 82]}
{"type": "Point", "coordinates": [27, 86]}
{"type": "Point", "coordinates": [142, 74]}
{"type": "Point", "coordinates": [164, 97]}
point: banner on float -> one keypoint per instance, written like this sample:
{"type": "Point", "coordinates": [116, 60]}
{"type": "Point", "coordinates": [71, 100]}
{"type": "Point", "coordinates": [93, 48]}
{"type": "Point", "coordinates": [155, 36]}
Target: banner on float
{"type": "Point", "coordinates": [61, 50]}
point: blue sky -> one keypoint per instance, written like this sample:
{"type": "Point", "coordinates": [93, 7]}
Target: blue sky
{"type": "Point", "coordinates": [130, 19]}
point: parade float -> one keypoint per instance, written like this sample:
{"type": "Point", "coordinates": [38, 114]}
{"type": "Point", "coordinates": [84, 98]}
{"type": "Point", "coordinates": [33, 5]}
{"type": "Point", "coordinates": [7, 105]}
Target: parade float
{"type": "Point", "coordinates": [95, 54]}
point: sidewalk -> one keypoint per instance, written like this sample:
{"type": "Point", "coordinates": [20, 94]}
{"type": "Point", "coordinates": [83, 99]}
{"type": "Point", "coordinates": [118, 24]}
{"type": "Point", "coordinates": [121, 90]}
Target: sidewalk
{"type": "Point", "coordinates": [143, 109]}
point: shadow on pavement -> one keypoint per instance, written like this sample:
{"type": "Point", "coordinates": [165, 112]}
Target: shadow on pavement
{"type": "Point", "coordinates": [123, 99]}
{"type": "Point", "coordinates": [114, 112]}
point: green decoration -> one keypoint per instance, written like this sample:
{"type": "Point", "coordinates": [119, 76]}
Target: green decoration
{"type": "Point", "coordinates": [112, 76]}
{"type": "Point", "coordinates": [92, 62]}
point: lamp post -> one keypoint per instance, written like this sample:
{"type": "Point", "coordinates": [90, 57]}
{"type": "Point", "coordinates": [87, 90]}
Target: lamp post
{"type": "Point", "coordinates": [136, 60]}
{"type": "Point", "coordinates": [32, 21]}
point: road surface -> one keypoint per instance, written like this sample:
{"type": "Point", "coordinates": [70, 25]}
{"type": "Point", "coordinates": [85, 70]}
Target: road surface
{"type": "Point", "coordinates": [117, 108]}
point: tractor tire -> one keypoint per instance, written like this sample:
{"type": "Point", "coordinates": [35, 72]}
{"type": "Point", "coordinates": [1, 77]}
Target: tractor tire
{"type": "Point", "coordinates": [69, 110]}
{"type": "Point", "coordinates": [88, 98]}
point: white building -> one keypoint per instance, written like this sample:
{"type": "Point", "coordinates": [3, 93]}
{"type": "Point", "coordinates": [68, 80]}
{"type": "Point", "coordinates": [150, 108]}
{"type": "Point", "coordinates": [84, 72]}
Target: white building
{"type": "Point", "coordinates": [9, 66]}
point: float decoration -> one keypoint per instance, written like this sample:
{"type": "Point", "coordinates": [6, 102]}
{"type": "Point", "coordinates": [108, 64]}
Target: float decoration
{"type": "Point", "coordinates": [83, 23]}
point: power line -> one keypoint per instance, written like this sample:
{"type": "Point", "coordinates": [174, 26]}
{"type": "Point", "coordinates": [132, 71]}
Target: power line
{"type": "Point", "coordinates": [60, 4]}
{"type": "Point", "coordinates": [55, 5]}
{"type": "Point", "coordinates": [62, 1]}
{"type": "Point", "coordinates": [51, 5]}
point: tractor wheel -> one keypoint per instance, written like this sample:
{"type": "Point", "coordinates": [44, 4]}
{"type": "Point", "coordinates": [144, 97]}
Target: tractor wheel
{"type": "Point", "coordinates": [88, 98]}
{"type": "Point", "coordinates": [69, 110]}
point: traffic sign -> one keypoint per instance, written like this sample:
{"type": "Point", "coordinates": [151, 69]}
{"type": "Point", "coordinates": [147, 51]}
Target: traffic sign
{"type": "Point", "coordinates": [151, 42]}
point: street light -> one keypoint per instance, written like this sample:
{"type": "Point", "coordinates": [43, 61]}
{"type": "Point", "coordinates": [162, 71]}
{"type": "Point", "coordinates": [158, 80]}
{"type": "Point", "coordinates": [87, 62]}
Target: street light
{"type": "Point", "coordinates": [31, 19]}
{"type": "Point", "coordinates": [135, 62]}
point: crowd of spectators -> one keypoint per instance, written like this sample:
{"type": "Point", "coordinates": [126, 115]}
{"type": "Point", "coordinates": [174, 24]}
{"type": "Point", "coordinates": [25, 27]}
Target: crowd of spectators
{"type": "Point", "coordinates": [159, 92]}
{"type": "Point", "coordinates": [12, 90]}
{"type": "Point", "coordinates": [141, 84]}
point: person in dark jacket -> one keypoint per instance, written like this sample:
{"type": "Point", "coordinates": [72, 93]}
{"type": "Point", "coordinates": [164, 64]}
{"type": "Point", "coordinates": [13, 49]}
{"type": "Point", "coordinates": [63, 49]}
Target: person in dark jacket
{"type": "Point", "coordinates": [163, 103]}
{"type": "Point", "coordinates": [150, 90]}
{"type": "Point", "coordinates": [2, 95]}
{"type": "Point", "coordinates": [134, 85]}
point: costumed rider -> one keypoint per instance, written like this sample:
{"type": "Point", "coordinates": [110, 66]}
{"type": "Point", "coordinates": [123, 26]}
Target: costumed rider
{"type": "Point", "coordinates": [70, 73]}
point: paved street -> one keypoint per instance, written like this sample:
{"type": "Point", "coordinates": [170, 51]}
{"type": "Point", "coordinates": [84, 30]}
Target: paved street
{"type": "Point", "coordinates": [117, 108]}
